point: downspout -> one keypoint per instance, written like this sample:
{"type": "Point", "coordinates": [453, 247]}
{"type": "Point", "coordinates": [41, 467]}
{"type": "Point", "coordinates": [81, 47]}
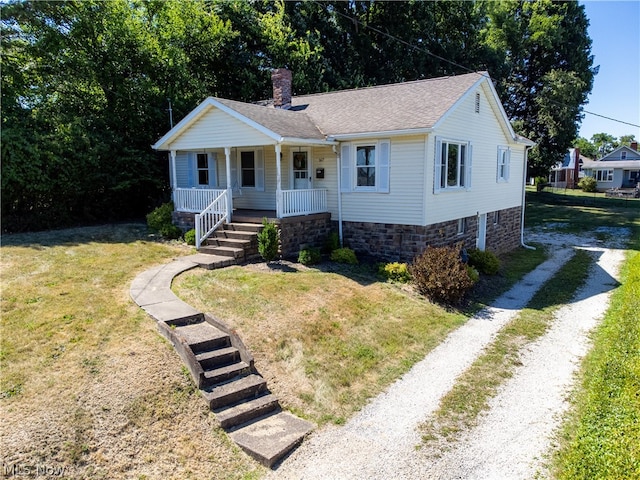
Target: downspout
{"type": "Point", "coordinates": [338, 171]}
{"type": "Point", "coordinates": [524, 187]}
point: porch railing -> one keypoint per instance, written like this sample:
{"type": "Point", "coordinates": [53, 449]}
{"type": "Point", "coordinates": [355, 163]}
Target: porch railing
{"type": "Point", "coordinates": [194, 200]}
{"type": "Point", "coordinates": [303, 202]}
{"type": "Point", "coordinates": [211, 217]}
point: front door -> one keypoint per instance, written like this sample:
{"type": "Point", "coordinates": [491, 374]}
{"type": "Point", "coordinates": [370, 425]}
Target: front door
{"type": "Point", "coordinates": [301, 170]}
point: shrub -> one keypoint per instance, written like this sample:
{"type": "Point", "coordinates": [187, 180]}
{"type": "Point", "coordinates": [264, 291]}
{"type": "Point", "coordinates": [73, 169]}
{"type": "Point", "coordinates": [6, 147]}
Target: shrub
{"type": "Point", "coordinates": [309, 256]}
{"type": "Point", "coordinates": [473, 274]}
{"type": "Point", "coordinates": [344, 255]}
{"type": "Point", "coordinates": [486, 262]}
{"type": "Point", "coordinates": [588, 184]}
{"type": "Point", "coordinates": [159, 220]}
{"type": "Point", "coordinates": [440, 274]}
{"type": "Point", "coordinates": [190, 236]}
{"type": "Point", "coordinates": [396, 272]}
{"type": "Point", "coordinates": [268, 241]}
{"type": "Point", "coordinates": [540, 182]}
{"type": "Point", "coordinates": [332, 242]}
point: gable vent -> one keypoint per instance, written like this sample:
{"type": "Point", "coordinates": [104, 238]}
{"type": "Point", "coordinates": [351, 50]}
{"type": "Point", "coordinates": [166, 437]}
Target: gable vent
{"type": "Point", "coordinates": [477, 103]}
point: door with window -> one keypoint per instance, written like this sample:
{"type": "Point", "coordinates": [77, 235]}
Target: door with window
{"type": "Point", "coordinates": [301, 170]}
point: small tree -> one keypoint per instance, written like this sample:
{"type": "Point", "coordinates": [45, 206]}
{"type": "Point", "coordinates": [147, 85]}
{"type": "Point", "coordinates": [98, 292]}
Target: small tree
{"type": "Point", "coordinates": [268, 241]}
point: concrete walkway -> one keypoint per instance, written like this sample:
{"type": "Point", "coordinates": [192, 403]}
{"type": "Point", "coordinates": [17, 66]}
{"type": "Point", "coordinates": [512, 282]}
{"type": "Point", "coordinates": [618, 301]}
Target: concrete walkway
{"type": "Point", "coordinates": [232, 387]}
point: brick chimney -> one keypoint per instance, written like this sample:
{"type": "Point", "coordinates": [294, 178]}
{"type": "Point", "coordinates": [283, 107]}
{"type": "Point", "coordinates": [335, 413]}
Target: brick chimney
{"type": "Point", "coordinates": [281, 79]}
{"type": "Point", "coordinates": [634, 146]}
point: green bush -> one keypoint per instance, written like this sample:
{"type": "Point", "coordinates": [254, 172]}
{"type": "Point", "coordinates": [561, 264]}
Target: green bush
{"type": "Point", "coordinates": [344, 255]}
{"type": "Point", "coordinates": [486, 262]}
{"type": "Point", "coordinates": [588, 184]}
{"type": "Point", "coordinates": [332, 242]}
{"type": "Point", "coordinates": [474, 275]}
{"type": "Point", "coordinates": [309, 256]}
{"type": "Point", "coordinates": [190, 236]}
{"type": "Point", "coordinates": [159, 220]}
{"type": "Point", "coordinates": [541, 182]}
{"type": "Point", "coordinates": [268, 241]}
{"type": "Point", "coordinates": [396, 272]}
{"type": "Point", "coordinates": [439, 274]}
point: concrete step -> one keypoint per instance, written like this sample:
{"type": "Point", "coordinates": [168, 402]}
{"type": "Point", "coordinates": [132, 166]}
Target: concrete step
{"type": "Point", "coordinates": [234, 391]}
{"type": "Point", "coordinates": [218, 357]}
{"type": "Point", "coordinates": [244, 227]}
{"type": "Point", "coordinates": [239, 234]}
{"type": "Point", "coordinates": [268, 439]}
{"type": "Point", "coordinates": [203, 337]}
{"type": "Point", "coordinates": [246, 410]}
{"type": "Point", "coordinates": [218, 375]}
{"type": "Point", "coordinates": [217, 241]}
{"type": "Point", "coordinates": [231, 252]}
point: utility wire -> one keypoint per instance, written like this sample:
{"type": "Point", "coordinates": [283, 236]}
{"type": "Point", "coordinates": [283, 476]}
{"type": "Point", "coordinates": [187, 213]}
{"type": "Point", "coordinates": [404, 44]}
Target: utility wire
{"type": "Point", "coordinates": [425, 50]}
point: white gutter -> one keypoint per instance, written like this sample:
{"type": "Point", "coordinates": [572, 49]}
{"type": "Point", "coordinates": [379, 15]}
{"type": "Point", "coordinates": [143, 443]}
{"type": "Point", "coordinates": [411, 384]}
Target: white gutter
{"type": "Point", "coordinates": [385, 133]}
{"type": "Point", "coordinates": [339, 194]}
{"type": "Point", "coordinates": [524, 187]}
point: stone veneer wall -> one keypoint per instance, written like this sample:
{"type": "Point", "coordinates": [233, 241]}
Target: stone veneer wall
{"type": "Point", "coordinates": [504, 235]}
{"type": "Point", "coordinates": [403, 243]}
{"type": "Point", "coordinates": [297, 233]}
{"type": "Point", "coordinates": [184, 220]}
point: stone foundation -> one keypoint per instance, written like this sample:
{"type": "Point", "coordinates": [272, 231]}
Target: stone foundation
{"type": "Point", "coordinates": [297, 233]}
{"type": "Point", "coordinates": [185, 220]}
{"type": "Point", "coordinates": [393, 243]}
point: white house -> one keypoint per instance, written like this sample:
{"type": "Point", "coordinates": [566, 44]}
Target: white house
{"type": "Point", "coordinates": [392, 168]}
{"type": "Point", "coordinates": [618, 169]}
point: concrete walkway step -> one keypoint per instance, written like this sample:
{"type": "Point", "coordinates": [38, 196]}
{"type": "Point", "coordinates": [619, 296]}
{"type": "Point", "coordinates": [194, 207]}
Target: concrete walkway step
{"type": "Point", "coordinates": [218, 357]}
{"type": "Point", "coordinates": [270, 438]}
{"type": "Point", "coordinates": [246, 410]}
{"type": "Point", "coordinates": [222, 374]}
{"type": "Point", "coordinates": [234, 391]}
{"type": "Point", "coordinates": [203, 337]}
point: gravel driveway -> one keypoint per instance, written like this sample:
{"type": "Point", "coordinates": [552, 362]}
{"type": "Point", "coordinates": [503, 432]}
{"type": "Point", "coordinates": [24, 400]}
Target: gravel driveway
{"type": "Point", "coordinates": [511, 440]}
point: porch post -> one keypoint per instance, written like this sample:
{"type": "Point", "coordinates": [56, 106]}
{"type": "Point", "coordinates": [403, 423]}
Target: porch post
{"type": "Point", "coordinates": [278, 181]}
{"type": "Point", "coordinates": [173, 177]}
{"type": "Point", "coordinates": [227, 158]}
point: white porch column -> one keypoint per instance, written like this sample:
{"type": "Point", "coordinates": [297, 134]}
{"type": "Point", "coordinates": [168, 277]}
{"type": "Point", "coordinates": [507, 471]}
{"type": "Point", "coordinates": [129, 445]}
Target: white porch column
{"type": "Point", "coordinates": [173, 177]}
{"type": "Point", "coordinates": [227, 158]}
{"type": "Point", "coordinates": [278, 181]}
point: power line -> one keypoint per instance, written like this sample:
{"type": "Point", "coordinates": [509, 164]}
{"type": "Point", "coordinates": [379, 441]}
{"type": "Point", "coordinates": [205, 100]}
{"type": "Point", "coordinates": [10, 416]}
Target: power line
{"type": "Point", "coordinates": [425, 50]}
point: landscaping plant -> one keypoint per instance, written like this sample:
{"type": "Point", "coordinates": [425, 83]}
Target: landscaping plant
{"type": "Point", "coordinates": [268, 241]}
{"type": "Point", "coordinates": [395, 272]}
{"type": "Point", "coordinates": [344, 255]}
{"type": "Point", "coordinates": [159, 220]}
{"type": "Point", "coordinates": [309, 256]}
{"type": "Point", "coordinates": [439, 274]}
{"type": "Point", "coordinates": [588, 184]}
{"type": "Point", "coordinates": [484, 261]}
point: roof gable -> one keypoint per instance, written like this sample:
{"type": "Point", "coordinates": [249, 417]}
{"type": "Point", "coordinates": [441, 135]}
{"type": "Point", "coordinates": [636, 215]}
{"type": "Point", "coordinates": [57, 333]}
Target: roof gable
{"type": "Point", "coordinates": [616, 155]}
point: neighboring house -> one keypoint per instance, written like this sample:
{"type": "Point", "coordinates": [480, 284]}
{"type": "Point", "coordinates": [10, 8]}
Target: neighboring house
{"type": "Point", "coordinates": [568, 172]}
{"type": "Point", "coordinates": [618, 169]}
{"type": "Point", "coordinates": [392, 168]}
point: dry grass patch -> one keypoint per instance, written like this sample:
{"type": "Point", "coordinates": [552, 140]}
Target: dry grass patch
{"type": "Point", "coordinates": [326, 341]}
{"type": "Point", "coordinates": [87, 384]}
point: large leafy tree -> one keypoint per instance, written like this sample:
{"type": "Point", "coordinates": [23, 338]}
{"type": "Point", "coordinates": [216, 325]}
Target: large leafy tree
{"type": "Point", "coordinates": [548, 71]}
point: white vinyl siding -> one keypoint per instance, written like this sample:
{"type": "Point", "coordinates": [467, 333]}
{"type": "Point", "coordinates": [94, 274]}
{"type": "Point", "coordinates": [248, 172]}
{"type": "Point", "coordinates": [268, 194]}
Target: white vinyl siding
{"type": "Point", "coordinates": [216, 129]}
{"type": "Point", "coordinates": [484, 133]}
{"type": "Point", "coordinates": [402, 202]}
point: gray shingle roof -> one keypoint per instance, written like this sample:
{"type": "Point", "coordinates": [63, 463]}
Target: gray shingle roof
{"type": "Point", "coordinates": [400, 106]}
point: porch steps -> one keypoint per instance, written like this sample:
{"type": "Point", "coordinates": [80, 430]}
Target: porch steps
{"type": "Point", "coordinates": [238, 241]}
{"type": "Point", "coordinates": [236, 393]}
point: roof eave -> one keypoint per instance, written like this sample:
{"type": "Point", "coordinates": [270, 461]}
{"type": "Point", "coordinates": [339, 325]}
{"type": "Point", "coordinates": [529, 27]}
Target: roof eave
{"type": "Point", "coordinates": [342, 137]}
